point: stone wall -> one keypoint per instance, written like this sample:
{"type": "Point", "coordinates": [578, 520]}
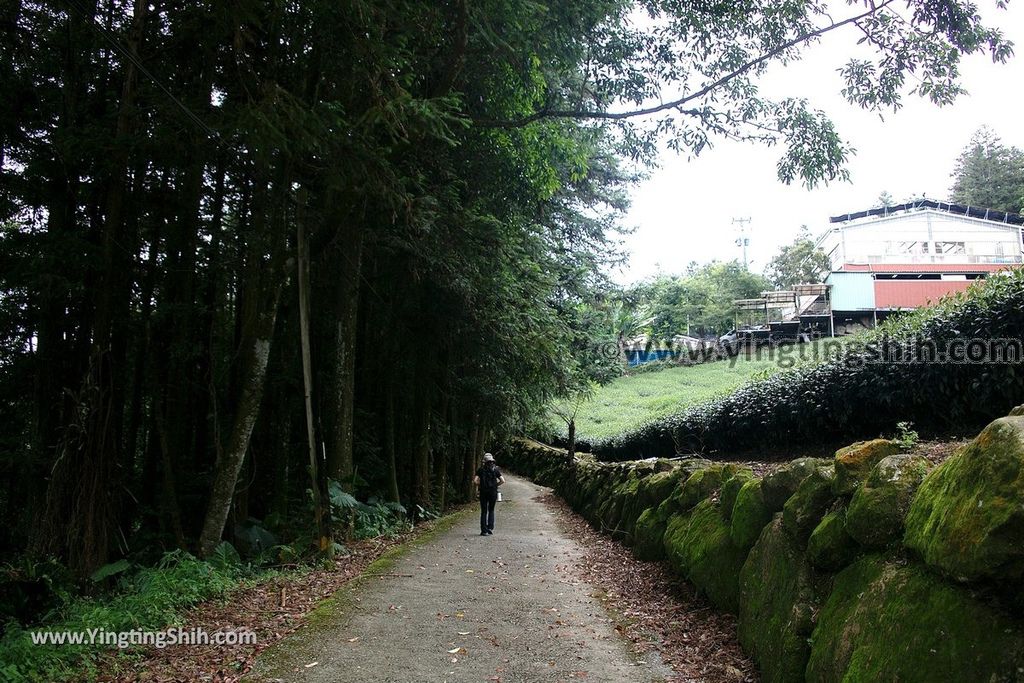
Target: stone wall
{"type": "Point", "coordinates": [868, 566]}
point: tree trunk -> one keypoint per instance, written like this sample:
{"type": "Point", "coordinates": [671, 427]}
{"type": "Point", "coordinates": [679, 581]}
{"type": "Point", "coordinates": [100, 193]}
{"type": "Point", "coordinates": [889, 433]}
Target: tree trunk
{"type": "Point", "coordinates": [389, 443]}
{"type": "Point", "coordinates": [170, 494]}
{"type": "Point", "coordinates": [469, 460]}
{"type": "Point", "coordinates": [421, 462]}
{"type": "Point", "coordinates": [342, 399]}
{"type": "Point", "coordinates": [83, 494]}
{"type": "Point", "coordinates": [261, 304]}
{"type": "Point", "coordinates": [321, 517]}
{"type": "Point", "coordinates": [571, 445]}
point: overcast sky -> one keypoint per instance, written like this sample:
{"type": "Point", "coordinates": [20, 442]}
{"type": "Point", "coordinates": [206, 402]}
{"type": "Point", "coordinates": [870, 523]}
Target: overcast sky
{"type": "Point", "coordinates": [684, 211]}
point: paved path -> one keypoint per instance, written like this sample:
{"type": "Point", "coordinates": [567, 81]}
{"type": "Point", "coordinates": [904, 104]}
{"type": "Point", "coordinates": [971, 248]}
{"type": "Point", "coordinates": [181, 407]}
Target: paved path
{"type": "Point", "coordinates": [463, 607]}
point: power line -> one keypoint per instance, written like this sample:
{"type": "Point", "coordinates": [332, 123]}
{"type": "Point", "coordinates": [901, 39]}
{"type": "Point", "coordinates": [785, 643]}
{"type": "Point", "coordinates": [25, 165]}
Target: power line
{"type": "Point", "coordinates": [130, 55]}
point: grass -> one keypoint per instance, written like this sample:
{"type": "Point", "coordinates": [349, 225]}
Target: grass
{"type": "Point", "coordinates": [635, 399]}
{"type": "Point", "coordinates": [651, 393]}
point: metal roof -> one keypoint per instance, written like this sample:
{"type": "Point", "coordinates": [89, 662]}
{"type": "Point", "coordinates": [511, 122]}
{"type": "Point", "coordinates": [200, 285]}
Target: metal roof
{"type": "Point", "coordinates": [958, 209]}
{"type": "Point", "coordinates": [925, 267]}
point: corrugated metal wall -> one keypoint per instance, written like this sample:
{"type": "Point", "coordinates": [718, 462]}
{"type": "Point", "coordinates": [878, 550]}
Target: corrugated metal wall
{"type": "Point", "coordinates": [852, 291]}
{"type": "Point", "coordinates": [914, 293]}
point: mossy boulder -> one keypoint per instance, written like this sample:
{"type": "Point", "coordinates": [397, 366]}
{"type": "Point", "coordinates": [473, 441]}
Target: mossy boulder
{"type": "Point", "coordinates": [651, 490]}
{"type": "Point", "coordinates": [697, 487]}
{"type": "Point", "coordinates": [885, 622]}
{"type": "Point", "coordinates": [586, 492]}
{"type": "Point", "coordinates": [876, 514]}
{"type": "Point", "coordinates": [648, 534]}
{"type": "Point", "coordinates": [658, 486]}
{"type": "Point", "coordinates": [621, 496]}
{"type": "Point", "coordinates": [778, 602]}
{"type": "Point", "coordinates": [855, 462]}
{"type": "Point", "coordinates": [731, 488]}
{"type": "Point", "coordinates": [750, 514]}
{"type": "Point", "coordinates": [812, 499]}
{"type": "Point", "coordinates": [665, 465]}
{"type": "Point", "coordinates": [691, 465]}
{"type": "Point", "coordinates": [1017, 412]}
{"type": "Point", "coordinates": [698, 545]}
{"type": "Point", "coordinates": [778, 486]}
{"type": "Point", "coordinates": [967, 518]}
{"type": "Point", "coordinates": [830, 547]}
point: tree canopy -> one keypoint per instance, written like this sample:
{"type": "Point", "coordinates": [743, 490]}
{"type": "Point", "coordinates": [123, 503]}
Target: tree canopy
{"type": "Point", "coordinates": [797, 263]}
{"type": "Point", "coordinates": [699, 302]}
{"type": "Point", "coordinates": [256, 255]}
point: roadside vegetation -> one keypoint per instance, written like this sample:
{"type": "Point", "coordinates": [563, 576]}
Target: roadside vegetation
{"type": "Point", "coordinates": [145, 600]}
{"type": "Point", "coordinates": [45, 597]}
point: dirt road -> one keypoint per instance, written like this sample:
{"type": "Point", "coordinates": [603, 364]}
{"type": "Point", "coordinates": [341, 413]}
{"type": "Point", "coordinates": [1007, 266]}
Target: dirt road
{"type": "Point", "coordinates": [462, 607]}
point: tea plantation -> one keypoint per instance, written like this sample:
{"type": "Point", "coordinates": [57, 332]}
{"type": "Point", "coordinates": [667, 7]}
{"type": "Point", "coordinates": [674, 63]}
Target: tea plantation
{"type": "Point", "coordinates": [630, 401]}
{"type": "Point", "coordinates": [858, 394]}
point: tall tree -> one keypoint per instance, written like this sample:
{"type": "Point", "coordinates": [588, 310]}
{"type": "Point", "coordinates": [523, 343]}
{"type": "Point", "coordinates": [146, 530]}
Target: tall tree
{"type": "Point", "coordinates": [799, 262]}
{"type": "Point", "coordinates": [989, 174]}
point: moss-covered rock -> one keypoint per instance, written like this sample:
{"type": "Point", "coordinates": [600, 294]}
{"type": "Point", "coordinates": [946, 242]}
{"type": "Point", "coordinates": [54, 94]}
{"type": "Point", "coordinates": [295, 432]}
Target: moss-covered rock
{"type": "Point", "coordinates": [650, 492]}
{"type": "Point", "coordinates": [698, 545]}
{"type": "Point", "coordinates": [884, 622]}
{"type": "Point", "coordinates": [691, 465]}
{"type": "Point", "coordinates": [876, 514]}
{"type": "Point", "coordinates": [812, 499]}
{"type": "Point", "coordinates": [778, 486]}
{"type": "Point", "coordinates": [658, 486]}
{"type": "Point", "coordinates": [674, 540]}
{"type": "Point", "coordinates": [967, 518]}
{"type": "Point", "coordinates": [777, 606]}
{"type": "Point", "coordinates": [854, 462]}
{"type": "Point", "coordinates": [1017, 412]}
{"type": "Point", "coordinates": [648, 534]}
{"type": "Point", "coordinates": [750, 514]}
{"type": "Point", "coordinates": [830, 547]}
{"type": "Point", "coordinates": [613, 516]}
{"type": "Point", "coordinates": [664, 465]}
{"type": "Point", "coordinates": [697, 487]}
{"type": "Point", "coordinates": [731, 488]}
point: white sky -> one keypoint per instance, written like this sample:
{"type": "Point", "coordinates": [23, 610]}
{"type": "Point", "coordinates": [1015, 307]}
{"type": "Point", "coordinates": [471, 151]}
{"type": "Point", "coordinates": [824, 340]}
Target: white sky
{"type": "Point", "coordinates": [683, 212]}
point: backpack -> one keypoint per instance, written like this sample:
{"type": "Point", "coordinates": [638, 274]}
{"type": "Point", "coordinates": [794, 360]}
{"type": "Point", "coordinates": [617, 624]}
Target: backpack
{"type": "Point", "coordinates": [489, 478]}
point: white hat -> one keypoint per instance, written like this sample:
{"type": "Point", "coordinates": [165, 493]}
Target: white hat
{"type": "Point", "coordinates": [488, 457]}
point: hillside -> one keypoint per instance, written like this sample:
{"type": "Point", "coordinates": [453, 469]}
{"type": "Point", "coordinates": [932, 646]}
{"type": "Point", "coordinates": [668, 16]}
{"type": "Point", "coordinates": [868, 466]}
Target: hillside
{"type": "Point", "coordinates": [629, 401]}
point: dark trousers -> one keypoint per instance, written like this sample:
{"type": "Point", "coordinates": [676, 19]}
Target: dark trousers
{"type": "Point", "coordinates": [487, 501]}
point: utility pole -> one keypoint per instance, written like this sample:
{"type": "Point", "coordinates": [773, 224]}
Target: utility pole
{"type": "Point", "coordinates": [743, 240]}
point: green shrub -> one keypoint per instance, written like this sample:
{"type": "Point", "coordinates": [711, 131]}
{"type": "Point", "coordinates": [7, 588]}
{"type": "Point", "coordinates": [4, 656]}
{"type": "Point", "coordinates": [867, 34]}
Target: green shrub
{"type": "Point", "coordinates": [148, 600]}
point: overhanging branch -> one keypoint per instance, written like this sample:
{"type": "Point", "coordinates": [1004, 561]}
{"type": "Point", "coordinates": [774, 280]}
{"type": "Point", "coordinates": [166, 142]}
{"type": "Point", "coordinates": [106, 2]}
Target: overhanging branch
{"type": "Point", "coordinates": [682, 101]}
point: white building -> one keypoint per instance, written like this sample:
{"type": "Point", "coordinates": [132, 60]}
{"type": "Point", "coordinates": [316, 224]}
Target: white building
{"type": "Point", "coordinates": [904, 257]}
{"type": "Point", "coordinates": [923, 232]}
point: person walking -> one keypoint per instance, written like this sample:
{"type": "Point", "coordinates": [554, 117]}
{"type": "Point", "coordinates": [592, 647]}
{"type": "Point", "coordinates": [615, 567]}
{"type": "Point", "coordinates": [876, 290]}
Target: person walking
{"type": "Point", "coordinates": [488, 478]}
